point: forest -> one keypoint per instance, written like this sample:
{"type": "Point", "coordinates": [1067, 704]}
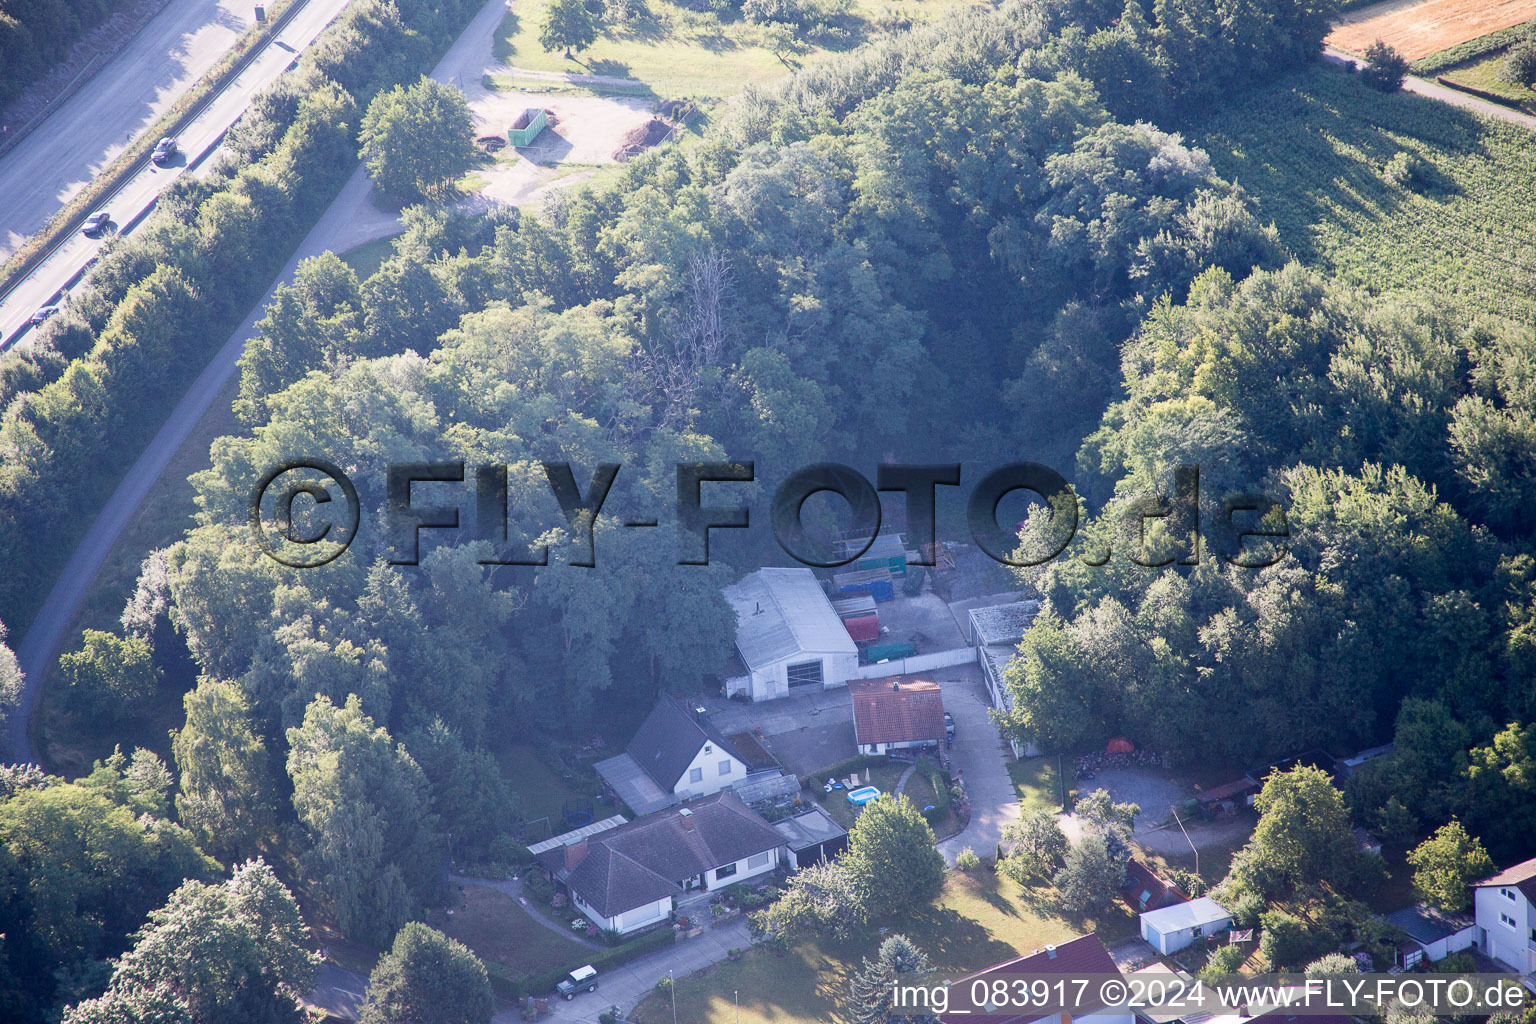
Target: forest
{"type": "Point", "coordinates": [994, 235]}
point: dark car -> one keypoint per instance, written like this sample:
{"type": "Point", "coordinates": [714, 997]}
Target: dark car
{"type": "Point", "coordinates": [164, 150]}
{"type": "Point", "coordinates": [96, 223]}
{"type": "Point", "coordinates": [43, 314]}
{"type": "Point", "coordinates": [582, 979]}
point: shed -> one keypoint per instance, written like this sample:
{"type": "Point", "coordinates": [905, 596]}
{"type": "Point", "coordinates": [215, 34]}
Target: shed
{"type": "Point", "coordinates": [1433, 934]}
{"type": "Point", "coordinates": [1172, 928]}
{"type": "Point", "coordinates": [812, 837]}
{"type": "Point", "coordinates": [996, 631]}
{"type": "Point", "coordinates": [863, 629]}
{"type": "Point", "coordinates": [527, 127]}
{"type": "Point", "coordinates": [788, 635]}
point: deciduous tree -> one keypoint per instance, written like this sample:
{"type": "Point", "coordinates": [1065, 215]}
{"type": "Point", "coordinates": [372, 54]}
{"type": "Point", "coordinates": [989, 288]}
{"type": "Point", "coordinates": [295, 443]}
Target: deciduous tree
{"type": "Point", "coordinates": [417, 139]}
{"type": "Point", "coordinates": [427, 978]}
{"type": "Point", "coordinates": [891, 856]}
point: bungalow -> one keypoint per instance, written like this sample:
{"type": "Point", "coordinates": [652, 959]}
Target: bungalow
{"type": "Point", "coordinates": [626, 877]}
{"type": "Point", "coordinates": [1433, 934]}
{"type": "Point", "coordinates": [677, 754]}
{"type": "Point", "coordinates": [1172, 928]}
{"type": "Point", "coordinates": [788, 635]}
{"type": "Point", "coordinates": [1080, 957]}
{"type": "Point", "coordinates": [1505, 908]}
{"type": "Point", "coordinates": [896, 713]}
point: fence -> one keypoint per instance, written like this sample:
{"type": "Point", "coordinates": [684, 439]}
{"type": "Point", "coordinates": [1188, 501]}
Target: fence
{"type": "Point", "coordinates": [917, 663]}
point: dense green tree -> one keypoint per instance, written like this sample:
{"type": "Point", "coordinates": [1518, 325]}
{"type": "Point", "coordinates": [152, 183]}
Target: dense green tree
{"type": "Point", "coordinates": [365, 804]}
{"type": "Point", "coordinates": [417, 139]}
{"type": "Point", "coordinates": [427, 978]}
{"type": "Point", "coordinates": [230, 951]}
{"type": "Point", "coordinates": [1091, 875]}
{"type": "Point", "coordinates": [822, 898]}
{"type": "Point", "coordinates": [1446, 864]}
{"type": "Point", "coordinates": [11, 679]}
{"type": "Point", "coordinates": [891, 857]}
{"type": "Point", "coordinates": [1385, 68]}
{"type": "Point", "coordinates": [224, 775]}
{"type": "Point", "coordinates": [872, 987]}
{"type": "Point", "coordinates": [470, 795]}
{"type": "Point", "coordinates": [1036, 845]}
{"type": "Point", "coordinates": [110, 675]}
{"type": "Point", "coordinates": [1303, 836]}
{"type": "Point", "coordinates": [567, 25]}
{"type": "Point", "coordinates": [1502, 777]}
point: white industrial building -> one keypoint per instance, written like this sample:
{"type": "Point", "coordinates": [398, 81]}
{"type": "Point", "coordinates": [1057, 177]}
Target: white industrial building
{"type": "Point", "coordinates": [788, 635]}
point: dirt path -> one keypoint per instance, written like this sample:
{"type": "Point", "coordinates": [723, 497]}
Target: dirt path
{"type": "Point", "coordinates": [561, 76]}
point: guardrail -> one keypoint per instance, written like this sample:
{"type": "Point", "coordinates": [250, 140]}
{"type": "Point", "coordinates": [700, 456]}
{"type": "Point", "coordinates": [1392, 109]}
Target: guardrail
{"type": "Point", "coordinates": [65, 222]}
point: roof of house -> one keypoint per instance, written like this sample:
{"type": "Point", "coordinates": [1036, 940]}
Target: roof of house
{"type": "Point", "coordinates": [1080, 956]}
{"type": "Point", "coordinates": [896, 709]}
{"type": "Point", "coordinates": [802, 831]}
{"type": "Point", "coordinates": [1520, 876]}
{"type": "Point", "coordinates": [1227, 789]}
{"type": "Point", "coordinates": [1426, 924]}
{"type": "Point", "coordinates": [1147, 891]}
{"type": "Point", "coordinates": [640, 862]}
{"type": "Point", "coordinates": [782, 612]}
{"type": "Point", "coordinates": [1003, 623]}
{"type": "Point", "coordinates": [1180, 916]}
{"type": "Point", "coordinates": [670, 738]}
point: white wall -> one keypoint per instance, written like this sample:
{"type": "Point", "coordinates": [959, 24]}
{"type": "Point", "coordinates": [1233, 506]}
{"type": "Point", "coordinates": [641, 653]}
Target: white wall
{"type": "Point", "coordinates": [772, 681]}
{"type": "Point", "coordinates": [1442, 948]}
{"type": "Point", "coordinates": [709, 764]}
{"type": "Point", "coordinates": [880, 748]}
{"type": "Point", "coordinates": [916, 663]}
{"type": "Point", "coordinates": [1172, 942]}
{"type": "Point", "coordinates": [629, 920]}
{"type": "Point", "coordinates": [1502, 941]}
{"type": "Point", "coordinates": [743, 872]}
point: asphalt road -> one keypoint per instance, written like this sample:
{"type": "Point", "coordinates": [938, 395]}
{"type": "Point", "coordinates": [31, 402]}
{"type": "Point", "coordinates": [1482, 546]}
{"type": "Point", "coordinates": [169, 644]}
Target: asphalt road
{"type": "Point", "coordinates": [128, 205]}
{"type": "Point", "coordinates": [466, 58]}
{"type": "Point", "coordinates": [117, 103]}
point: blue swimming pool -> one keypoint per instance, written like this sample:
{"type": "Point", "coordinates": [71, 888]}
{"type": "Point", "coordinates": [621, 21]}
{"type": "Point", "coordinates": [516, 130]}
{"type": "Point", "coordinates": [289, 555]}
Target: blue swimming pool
{"type": "Point", "coordinates": [862, 795]}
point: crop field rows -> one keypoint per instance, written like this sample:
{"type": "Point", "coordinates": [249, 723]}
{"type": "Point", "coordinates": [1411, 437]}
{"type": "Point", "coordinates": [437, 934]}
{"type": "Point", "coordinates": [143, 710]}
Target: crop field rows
{"type": "Point", "coordinates": [1311, 149]}
{"type": "Point", "coordinates": [1422, 28]}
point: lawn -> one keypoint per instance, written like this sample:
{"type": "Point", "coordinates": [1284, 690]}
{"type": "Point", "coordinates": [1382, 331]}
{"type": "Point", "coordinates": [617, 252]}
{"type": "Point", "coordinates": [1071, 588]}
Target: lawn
{"type": "Point", "coordinates": [680, 52]}
{"type": "Point", "coordinates": [882, 776]}
{"type": "Point", "coordinates": [499, 931]}
{"type": "Point", "coordinates": [367, 258]}
{"type": "Point", "coordinates": [1036, 781]}
{"type": "Point", "coordinates": [978, 921]}
{"type": "Point", "coordinates": [544, 785]}
{"type": "Point", "coordinates": [1486, 74]}
{"type": "Point", "coordinates": [1311, 149]}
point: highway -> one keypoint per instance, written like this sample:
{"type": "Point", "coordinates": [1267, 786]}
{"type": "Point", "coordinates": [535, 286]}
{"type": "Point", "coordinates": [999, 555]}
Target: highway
{"type": "Point", "coordinates": [80, 137]}
{"type": "Point", "coordinates": [63, 268]}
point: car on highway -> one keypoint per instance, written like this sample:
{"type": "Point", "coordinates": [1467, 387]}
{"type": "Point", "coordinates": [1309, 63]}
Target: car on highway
{"type": "Point", "coordinates": [96, 223]}
{"type": "Point", "coordinates": [164, 150]}
{"type": "Point", "coordinates": [43, 314]}
{"type": "Point", "coordinates": [582, 979]}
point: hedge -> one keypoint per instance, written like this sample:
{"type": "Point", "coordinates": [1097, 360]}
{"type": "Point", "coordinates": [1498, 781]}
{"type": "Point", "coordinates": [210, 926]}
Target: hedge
{"type": "Point", "coordinates": [215, 243]}
{"type": "Point", "coordinates": [543, 984]}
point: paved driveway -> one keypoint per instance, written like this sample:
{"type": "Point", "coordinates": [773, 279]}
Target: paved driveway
{"type": "Point", "coordinates": [980, 754]}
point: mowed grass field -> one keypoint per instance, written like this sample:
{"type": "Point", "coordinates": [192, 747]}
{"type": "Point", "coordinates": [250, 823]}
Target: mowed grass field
{"type": "Point", "coordinates": [1311, 149]}
{"type": "Point", "coordinates": [1487, 74]}
{"type": "Point", "coordinates": [980, 920]}
{"type": "Point", "coordinates": [679, 52]}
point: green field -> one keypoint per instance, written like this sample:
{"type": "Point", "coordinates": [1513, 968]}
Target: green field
{"type": "Point", "coordinates": [1487, 75]}
{"type": "Point", "coordinates": [676, 51]}
{"type": "Point", "coordinates": [1311, 149]}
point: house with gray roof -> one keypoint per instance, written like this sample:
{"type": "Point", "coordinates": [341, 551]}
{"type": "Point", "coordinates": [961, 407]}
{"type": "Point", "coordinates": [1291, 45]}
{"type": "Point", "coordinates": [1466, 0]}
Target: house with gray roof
{"type": "Point", "coordinates": [1433, 934]}
{"type": "Point", "coordinates": [676, 754]}
{"type": "Point", "coordinates": [625, 878]}
{"type": "Point", "coordinates": [788, 635]}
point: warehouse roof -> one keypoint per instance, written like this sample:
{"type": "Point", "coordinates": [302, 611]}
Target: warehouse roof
{"type": "Point", "coordinates": [781, 613]}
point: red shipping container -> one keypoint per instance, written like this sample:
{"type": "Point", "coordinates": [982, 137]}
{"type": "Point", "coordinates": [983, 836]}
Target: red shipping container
{"type": "Point", "coordinates": [864, 627]}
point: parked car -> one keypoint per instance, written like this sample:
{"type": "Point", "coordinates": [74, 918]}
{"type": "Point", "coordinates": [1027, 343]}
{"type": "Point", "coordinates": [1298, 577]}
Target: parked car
{"type": "Point", "coordinates": [96, 223]}
{"type": "Point", "coordinates": [949, 725]}
{"type": "Point", "coordinates": [43, 314]}
{"type": "Point", "coordinates": [164, 150]}
{"type": "Point", "coordinates": [582, 979]}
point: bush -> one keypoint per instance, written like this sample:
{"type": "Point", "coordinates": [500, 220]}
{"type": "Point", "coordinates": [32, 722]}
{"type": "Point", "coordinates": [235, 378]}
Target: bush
{"type": "Point", "coordinates": [1407, 170]}
{"type": "Point", "coordinates": [664, 984]}
{"type": "Point", "coordinates": [1223, 960]}
{"type": "Point", "coordinates": [1519, 66]}
{"type": "Point", "coordinates": [539, 887]}
{"type": "Point", "coordinates": [967, 860]}
{"type": "Point", "coordinates": [1387, 67]}
{"type": "Point", "coordinates": [506, 850]}
{"type": "Point", "coordinates": [786, 12]}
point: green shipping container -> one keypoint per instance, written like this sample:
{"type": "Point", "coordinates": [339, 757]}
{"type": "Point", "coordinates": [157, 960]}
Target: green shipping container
{"type": "Point", "coordinates": [887, 652]}
{"type": "Point", "coordinates": [527, 127]}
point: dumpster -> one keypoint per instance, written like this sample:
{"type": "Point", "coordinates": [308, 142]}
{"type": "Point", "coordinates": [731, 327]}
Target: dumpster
{"type": "Point", "coordinates": [527, 127]}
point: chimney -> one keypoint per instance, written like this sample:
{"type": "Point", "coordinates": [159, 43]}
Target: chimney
{"type": "Point", "coordinates": [1050, 952]}
{"type": "Point", "coordinates": [699, 713]}
{"type": "Point", "coordinates": [575, 853]}
{"type": "Point", "coordinates": [687, 817]}
{"type": "Point", "coordinates": [895, 685]}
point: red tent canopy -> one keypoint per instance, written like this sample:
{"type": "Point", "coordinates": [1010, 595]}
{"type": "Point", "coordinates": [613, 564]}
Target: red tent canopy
{"type": "Point", "coordinates": [1120, 745]}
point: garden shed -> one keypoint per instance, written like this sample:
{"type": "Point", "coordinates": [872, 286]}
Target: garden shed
{"type": "Point", "coordinates": [1172, 928]}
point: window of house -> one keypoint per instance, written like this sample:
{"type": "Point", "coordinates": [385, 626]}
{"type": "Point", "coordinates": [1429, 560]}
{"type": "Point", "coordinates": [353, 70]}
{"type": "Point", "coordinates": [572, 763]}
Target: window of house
{"type": "Point", "coordinates": [725, 767]}
{"type": "Point", "coordinates": [696, 775]}
{"type": "Point", "coordinates": [1508, 894]}
{"type": "Point", "coordinates": [807, 673]}
{"type": "Point", "coordinates": [725, 872]}
{"type": "Point", "coordinates": [757, 861]}
{"type": "Point", "coordinates": [1506, 919]}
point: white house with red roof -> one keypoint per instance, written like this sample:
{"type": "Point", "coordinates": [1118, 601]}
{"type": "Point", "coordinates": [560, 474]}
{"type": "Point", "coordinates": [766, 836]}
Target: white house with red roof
{"type": "Point", "coordinates": [1505, 907]}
